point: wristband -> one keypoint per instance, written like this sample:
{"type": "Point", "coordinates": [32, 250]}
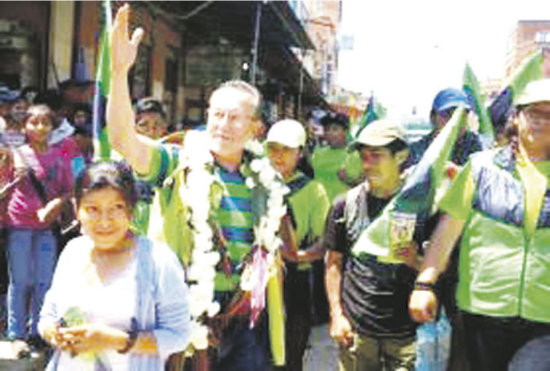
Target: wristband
{"type": "Point", "coordinates": [425, 286]}
{"type": "Point", "coordinates": [132, 337]}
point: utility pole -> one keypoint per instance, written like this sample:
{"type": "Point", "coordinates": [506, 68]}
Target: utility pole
{"type": "Point", "coordinates": [255, 43]}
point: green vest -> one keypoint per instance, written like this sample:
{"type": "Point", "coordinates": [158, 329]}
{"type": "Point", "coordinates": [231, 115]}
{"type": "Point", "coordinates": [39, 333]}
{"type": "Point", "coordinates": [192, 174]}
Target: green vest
{"type": "Point", "coordinates": [502, 272]}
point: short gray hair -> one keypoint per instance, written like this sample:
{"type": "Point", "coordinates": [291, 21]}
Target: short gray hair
{"type": "Point", "coordinates": [251, 90]}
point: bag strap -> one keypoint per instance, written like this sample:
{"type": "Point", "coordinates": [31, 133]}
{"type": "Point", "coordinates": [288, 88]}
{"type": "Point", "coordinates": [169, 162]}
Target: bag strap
{"type": "Point", "coordinates": [29, 172]}
{"type": "Point", "coordinates": [38, 187]}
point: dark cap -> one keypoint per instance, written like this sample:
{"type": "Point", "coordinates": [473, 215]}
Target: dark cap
{"type": "Point", "coordinates": [336, 119]}
{"type": "Point", "coordinates": [149, 105]}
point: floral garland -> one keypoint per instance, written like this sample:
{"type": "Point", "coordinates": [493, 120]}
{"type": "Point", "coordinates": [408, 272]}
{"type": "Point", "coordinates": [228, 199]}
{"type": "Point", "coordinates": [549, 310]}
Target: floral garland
{"type": "Point", "coordinates": [197, 195]}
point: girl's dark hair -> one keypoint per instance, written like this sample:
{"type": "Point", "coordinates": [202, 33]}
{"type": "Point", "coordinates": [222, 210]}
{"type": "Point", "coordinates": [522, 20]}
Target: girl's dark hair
{"type": "Point", "coordinates": [41, 110]}
{"type": "Point", "coordinates": [103, 174]}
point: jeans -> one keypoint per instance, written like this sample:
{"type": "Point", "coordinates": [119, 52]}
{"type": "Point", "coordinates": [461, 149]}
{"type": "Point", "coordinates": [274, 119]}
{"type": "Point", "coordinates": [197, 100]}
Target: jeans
{"type": "Point", "coordinates": [492, 342]}
{"type": "Point", "coordinates": [31, 262]}
{"type": "Point", "coordinates": [533, 356]}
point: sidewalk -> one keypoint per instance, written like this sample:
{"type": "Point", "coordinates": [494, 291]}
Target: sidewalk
{"type": "Point", "coordinates": [321, 353]}
{"type": "Point", "coordinates": [8, 361]}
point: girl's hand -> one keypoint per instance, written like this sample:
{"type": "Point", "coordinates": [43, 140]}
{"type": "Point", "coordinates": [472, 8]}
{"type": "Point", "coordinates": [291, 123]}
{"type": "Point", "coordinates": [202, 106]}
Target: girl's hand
{"type": "Point", "coordinates": [50, 211]}
{"type": "Point", "coordinates": [92, 337]}
{"type": "Point", "coordinates": [123, 50]}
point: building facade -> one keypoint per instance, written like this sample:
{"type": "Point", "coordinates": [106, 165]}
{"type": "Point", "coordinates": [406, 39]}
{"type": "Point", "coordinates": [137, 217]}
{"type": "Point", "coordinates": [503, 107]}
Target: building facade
{"type": "Point", "coordinates": [527, 37]}
{"type": "Point", "coordinates": [188, 49]}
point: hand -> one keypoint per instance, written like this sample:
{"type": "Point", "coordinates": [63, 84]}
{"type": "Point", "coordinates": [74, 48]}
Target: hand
{"type": "Point", "coordinates": [341, 331]}
{"type": "Point", "coordinates": [289, 250]}
{"type": "Point", "coordinates": [451, 169]}
{"type": "Point", "coordinates": [290, 255]}
{"type": "Point", "coordinates": [123, 50]}
{"type": "Point", "coordinates": [50, 211]}
{"type": "Point", "coordinates": [422, 305]}
{"type": "Point", "coordinates": [91, 337]}
{"type": "Point", "coordinates": [408, 254]}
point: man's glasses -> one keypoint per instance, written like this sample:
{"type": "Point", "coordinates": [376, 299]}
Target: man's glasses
{"type": "Point", "coordinates": [536, 117]}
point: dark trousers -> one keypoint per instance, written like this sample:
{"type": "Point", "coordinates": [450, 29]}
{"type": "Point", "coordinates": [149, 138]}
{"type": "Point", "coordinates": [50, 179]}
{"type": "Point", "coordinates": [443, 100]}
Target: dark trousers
{"type": "Point", "coordinates": [297, 296]}
{"type": "Point", "coordinates": [491, 342]}
{"type": "Point", "coordinates": [244, 349]}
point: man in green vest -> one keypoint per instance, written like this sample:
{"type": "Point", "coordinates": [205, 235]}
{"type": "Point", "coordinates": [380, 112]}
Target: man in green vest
{"type": "Point", "coordinates": [368, 297]}
{"type": "Point", "coordinates": [334, 167]}
{"type": "Point", "coordinates": [499, 203]}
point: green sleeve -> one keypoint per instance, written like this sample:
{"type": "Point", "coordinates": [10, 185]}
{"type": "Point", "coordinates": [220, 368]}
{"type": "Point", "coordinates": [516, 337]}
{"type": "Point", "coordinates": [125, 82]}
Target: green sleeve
{"type": "Point", "coordinates": [163, 161]}
{"type": "Point", "coordinates": [457, 200]}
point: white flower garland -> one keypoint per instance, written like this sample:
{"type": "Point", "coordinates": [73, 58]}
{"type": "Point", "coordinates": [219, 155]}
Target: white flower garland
{"type": "Point", "coordinates": [202, 269]}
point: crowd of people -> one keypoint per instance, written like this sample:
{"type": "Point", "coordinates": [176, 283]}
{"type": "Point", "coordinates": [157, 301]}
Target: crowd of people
{"type": "Point", "coordinates": [206, 251]}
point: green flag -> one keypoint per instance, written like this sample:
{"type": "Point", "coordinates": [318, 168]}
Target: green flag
{"type": "Point", "coordinates": [102, 147]}
{"type": "Point", "coordinates": [373, 111]}
{"type": "Point", "coordinates": [529, 70]}
{"type": "Point", "coordinates": [471, 87]}
{"type": "Point", "coordinates": [411, 207]}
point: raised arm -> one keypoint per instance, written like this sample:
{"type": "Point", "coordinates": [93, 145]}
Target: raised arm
{"type": "Point", "coordinates": [423, 303]}
{"type": "Point", "coordinates": [136, 149]}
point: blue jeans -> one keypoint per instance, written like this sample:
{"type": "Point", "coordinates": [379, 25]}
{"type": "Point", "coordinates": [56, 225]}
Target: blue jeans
{"type": "Point", "coordinates": [533, 356]}
{"type": "Point", "coordinates": [31, 262]}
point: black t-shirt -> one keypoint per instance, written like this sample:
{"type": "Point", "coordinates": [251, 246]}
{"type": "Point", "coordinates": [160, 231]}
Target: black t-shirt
{"type": "Point", "coordinates": [374, 295]}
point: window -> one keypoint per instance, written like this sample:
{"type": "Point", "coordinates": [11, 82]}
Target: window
{"type": "Point", "coordinates": [542, 37]}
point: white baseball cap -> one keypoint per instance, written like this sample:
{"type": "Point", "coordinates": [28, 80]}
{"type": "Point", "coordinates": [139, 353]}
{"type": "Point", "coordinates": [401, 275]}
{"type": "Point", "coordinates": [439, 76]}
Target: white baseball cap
{"type": "Point", "coordinates": [287, 132]}
{"type": "Point", "coordinates": [535, 92]}
{"type": "Point", "coordinates": [380, 133]}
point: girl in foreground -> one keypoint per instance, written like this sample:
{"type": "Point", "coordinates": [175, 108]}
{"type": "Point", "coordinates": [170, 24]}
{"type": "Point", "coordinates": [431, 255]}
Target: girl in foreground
{"type": "Point", "coordinates": [116, 301]}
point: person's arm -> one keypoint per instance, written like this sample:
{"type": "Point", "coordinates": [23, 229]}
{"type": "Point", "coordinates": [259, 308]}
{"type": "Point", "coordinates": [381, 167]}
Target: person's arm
{"type": "Point", "coordinates": [315, 251]}
{"type": "Point", "coordinates": [340, 327]}
{"type": "Point", "coordinates": [136, 149]}
{"type": "Point", "coordinates": [336, 244]}
{"type": "Point", "coordinates": [318, 208]}
{"type": "Point", "coordinates": [50, 211]}
{"type": "Point", "coordinates": [172, 321]}
{"type": "Point", "coordinates": [423, 301]}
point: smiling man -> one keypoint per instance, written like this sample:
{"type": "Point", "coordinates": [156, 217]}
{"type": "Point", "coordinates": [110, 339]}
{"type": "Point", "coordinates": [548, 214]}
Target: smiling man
{"type": "Point", "coordinates": [368, 298]}
{"type": "Point", "coordinates": [214, 160]}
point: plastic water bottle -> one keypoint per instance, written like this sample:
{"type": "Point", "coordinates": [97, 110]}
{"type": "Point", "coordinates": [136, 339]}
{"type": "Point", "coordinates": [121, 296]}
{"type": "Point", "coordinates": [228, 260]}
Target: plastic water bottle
{"type": "Point", "coordinates": [444, 332]}
{"type": "Point", "coordinates": [426, 347]}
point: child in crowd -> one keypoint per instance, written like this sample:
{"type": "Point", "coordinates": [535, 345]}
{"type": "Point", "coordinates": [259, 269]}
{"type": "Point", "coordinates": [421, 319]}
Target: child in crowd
{"type": "Point", "coordinates": [34, 203]}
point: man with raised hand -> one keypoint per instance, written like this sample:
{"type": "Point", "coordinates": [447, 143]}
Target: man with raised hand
{"type": "Point", "coordinates": [215, 177]}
